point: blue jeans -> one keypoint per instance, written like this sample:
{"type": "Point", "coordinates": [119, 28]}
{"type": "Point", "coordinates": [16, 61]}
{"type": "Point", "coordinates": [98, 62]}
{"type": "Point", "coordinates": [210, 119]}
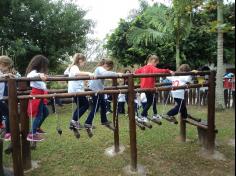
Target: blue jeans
{"type": "Point", "coordinates": [177, 108]}
{"type": "Point", "coordinates": [97, 101]}
{"type": "Point", "coordinates": [5, 112]}
{"type": "Point", "coordinates": [151, 100]}
{"type": "Point", "coordinates": [82, 106]}
{"type": "Point", "coordinates": [40, 117]}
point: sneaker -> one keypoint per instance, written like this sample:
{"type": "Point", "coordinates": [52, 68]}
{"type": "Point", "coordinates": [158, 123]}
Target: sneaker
{"type": "Point", "coordinates": [108, 123]}
{"type": "Point", "coordinates": [145, 119]}
{"type": "Point", "coordinates": [76, 125]}
{"type": "Point", "coordinates": [40, 131]}
{"type": "Point", "coordinates": [88, 125]}
{"type": "Point", "coordinates": [142, 119]}
{"type": "Point", "coordinates": [170, 118]}
{"type": "Point", "coordinates": [156, 117]}
{"type": "Point", "coordinates": [34, 138]}
{"type": "Point", "coordinates": [7, 137]}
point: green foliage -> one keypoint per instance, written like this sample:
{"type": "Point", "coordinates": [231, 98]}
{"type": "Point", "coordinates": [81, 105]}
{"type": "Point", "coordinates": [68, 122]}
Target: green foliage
{"type": "Point", "coordinates": [150, 32]}
{"type": "Point", "coordinates": [51, 28]}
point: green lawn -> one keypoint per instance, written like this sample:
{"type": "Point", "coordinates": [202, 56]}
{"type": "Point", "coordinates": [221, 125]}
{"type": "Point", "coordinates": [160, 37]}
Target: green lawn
{"type": "Point", "coordinates": [159, 150]}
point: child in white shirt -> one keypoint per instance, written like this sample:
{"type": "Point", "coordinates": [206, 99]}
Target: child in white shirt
{"type": "Point", "coordinates": [178, 95]}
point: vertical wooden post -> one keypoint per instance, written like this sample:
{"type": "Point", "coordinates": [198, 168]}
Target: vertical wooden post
{"type": "Point", "coordinates": [1, 156]}
{"type": "Point", "coordinates": [14, 128]}
{"type": "Point", "coordinates": [211, 114]}
{"type": "Point", "coordinates": [115, 119]}
{"type": "Point", "coordinates": [182, 122]}
{"type": "Point", "coordinates": [132, 124]}
{"type": "Point", "coordinates": [24, 120]}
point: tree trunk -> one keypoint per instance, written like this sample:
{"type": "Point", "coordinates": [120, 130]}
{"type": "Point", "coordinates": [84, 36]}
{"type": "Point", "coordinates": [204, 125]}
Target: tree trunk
{"type": "Point", "coordinates": [177, 46]}
{"type": "Point", "coordinates": [220, 70]}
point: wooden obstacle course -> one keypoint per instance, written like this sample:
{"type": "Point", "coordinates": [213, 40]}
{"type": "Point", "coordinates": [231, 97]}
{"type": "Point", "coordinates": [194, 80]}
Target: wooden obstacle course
{"type": "Point", "coordinates": [21, 151]}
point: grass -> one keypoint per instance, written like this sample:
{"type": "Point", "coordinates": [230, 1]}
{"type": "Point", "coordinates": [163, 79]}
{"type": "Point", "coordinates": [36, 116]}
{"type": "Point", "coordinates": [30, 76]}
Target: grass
{"type": "Point", "coordinates": [159, 150]}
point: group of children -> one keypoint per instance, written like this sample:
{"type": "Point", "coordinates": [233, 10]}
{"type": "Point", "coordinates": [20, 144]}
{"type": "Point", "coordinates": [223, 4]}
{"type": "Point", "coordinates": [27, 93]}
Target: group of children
{"type": "Point", "coordinates": [37, 109]}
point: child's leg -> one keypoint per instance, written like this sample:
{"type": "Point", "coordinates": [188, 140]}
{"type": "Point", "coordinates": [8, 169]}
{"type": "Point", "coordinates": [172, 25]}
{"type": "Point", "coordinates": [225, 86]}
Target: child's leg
{"type": "Point", "coordinates": [38, 118]}
{"type": "Point", "coordinates": [123, 107]}
{"type": "Point", "coordinates": [83, 105]}
{"type": "Point", "coordinates": [95, 104]}
{"type": "Point", "coordinates": [103, 109]}
{"type": "Point", "coordinates": [154, 107]}
{"type": "Point", "coordinates": [44, 114]}
{"type": "Point", "coordinates": [176, 109]}
{"type": "Point", "coordinates": [119, 107]}
{"type": "Point", "coordinates": [75, 114]}
{"type": "Point", "coordinates": [149, 97]}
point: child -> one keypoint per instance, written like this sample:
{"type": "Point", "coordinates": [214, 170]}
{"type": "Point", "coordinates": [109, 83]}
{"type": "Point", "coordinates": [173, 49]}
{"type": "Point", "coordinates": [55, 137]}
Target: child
{"type": "Point", "coordinates": [149, 82]}
{"type": "Point", "coordinates": [98, 100]}
{"type": "Point", "coordinates": [82, 102]}
{"type": "Point", "coordinates": [121, 103]}
{"type": "Point", "coordinates": [6, 68]}
{"type": "Point", "coordinates": [178, 95]}
{"type": "Point", "coordinates": [37, 109]}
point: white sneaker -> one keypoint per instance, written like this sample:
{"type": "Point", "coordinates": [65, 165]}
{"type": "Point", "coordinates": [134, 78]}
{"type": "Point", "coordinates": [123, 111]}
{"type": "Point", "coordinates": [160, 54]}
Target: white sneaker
{"type": "Point", "coordinates": [139, 119]}
{"type": "Point", "coordinates": [156, 117]}
{"type": "Point", "coordinates": [145, 119]}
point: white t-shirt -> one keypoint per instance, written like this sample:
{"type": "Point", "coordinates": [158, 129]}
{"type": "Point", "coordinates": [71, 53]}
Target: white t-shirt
{"type": "Point", "coordinates": [75, 86]}
{"type": "Point", "coordinates": [143, 98]}
{"type": "Point", "coordinates": [2, 86]}
{"type": "Point", "coordinates": [98, 84]}
{"type": "Point", "coordinates": [67, 71]}
{"type": "Point", "coordinates": [179, 81]}
{"type": "Point", "coordinates": [121, 98]}
{"type": "Point", "coordinates": [36, 84]}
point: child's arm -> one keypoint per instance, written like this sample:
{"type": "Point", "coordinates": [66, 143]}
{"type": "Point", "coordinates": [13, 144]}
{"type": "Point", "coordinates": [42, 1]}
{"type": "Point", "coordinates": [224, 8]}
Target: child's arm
{"type": "Point", "coordinates": [33, 74]}
{"type": "Point", "coordinates": [158, 70]}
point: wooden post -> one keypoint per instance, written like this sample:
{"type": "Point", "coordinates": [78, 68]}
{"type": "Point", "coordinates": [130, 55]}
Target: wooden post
{"type": "Point", "coordinates": [24, 120]}
{"type": "Point", "coordinates": [115, 119]}
{"type": "Point", "coordinates": [1, 156]}
{"type": "Point", "coordinates": [211, 114]}
{"type": "Point", "coordinates": [14, 128]}
{"type": "Point", "coordinates": [132, 123]}
{"type": "Point", "coordinates": [183, 123]}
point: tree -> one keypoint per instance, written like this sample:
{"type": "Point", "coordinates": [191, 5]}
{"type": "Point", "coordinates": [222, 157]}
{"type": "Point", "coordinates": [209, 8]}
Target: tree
{"type": "Point", "coordinates": [220, 70]}
{"type": "Point", "coordinates": [51, 28]}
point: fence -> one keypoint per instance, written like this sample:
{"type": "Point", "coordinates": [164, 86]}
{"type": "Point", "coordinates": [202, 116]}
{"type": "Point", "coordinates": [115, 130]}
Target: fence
{"type": "Point", "coordinates": [19, 121]}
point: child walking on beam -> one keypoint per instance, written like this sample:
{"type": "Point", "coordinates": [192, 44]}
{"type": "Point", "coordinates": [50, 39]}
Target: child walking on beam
{"type": "Point", "coordinates": [98, 100]}
{"type": "Point", "coordinates": [149, 82]}
{"type": "Point", "coordinates": [178, 95]}
{"type": "Point", "coordinates": [37, 108]}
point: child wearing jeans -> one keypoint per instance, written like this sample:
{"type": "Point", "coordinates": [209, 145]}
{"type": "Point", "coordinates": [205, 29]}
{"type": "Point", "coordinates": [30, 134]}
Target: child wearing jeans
{"type": "Point", "coordinates": [149, 82]}
{"type": "Point", "coordinates": [98, 100]}
{"type": "Point", "coordinates": [78, 86]}
{"type": "Point", "coordinates": [6, 68]}
{"type": "Point", "coordinates": [178, 95]}
{"type": "Point", "coordinates": [37, 109]}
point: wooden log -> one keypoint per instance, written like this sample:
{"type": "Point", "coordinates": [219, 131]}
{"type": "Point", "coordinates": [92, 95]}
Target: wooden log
{"type": "Point", "coordinates": [115, 119]}
{"type": "Point", "coordinates": [132, 123]}
{"type": "Point", "coordinates": [14, 127]}
{"type": "Point", "coordinates": [24, 120]}
{"type": "Point", "coordinates": [211, 114]}
{"type": "Point", "coordinates": [1, 157]}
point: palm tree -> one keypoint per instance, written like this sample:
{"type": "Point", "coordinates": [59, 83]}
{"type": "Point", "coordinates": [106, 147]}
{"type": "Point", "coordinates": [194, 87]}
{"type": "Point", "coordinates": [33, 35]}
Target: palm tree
{"type": "Point", "coordinates": [164, 23]}
{"type": "Point", "coordinates": [220, 70]}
